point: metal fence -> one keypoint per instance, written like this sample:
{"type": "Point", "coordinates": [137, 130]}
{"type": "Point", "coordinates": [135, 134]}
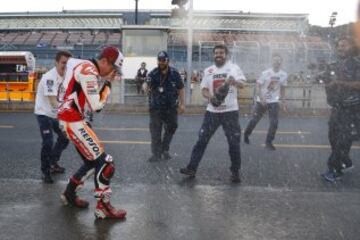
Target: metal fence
{"type": "Point", "coordinates": [253, 56]}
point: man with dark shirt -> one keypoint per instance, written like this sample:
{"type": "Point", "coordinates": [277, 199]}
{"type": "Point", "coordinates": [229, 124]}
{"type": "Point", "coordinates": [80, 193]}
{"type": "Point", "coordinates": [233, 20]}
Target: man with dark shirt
{"type": "Point", "coordinates": [166, 99]}
{"type": "Point", "coordinates": [343, 95]}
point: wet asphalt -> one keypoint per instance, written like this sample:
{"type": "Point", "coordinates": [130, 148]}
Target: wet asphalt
{"type": "Point", "coordinates": [281, 195]}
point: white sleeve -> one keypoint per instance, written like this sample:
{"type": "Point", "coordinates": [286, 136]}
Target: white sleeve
{"type": "Point", "coordinates": [87, 76]}
{"type": "Point", "coordinates": [49, 85]}
{"type": "Point", "coordinates": [261, 79]}
{"type": "Point", "coordinates": [205, 81]}
{"type": "Point", "coordinates": [238, 74]}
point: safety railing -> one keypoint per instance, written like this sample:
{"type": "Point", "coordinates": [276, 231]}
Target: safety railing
{"type": "Point", "coordinates": [297, 96]}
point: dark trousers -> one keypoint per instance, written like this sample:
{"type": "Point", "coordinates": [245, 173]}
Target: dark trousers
{"type": "Point", "coordinates": [260, 109]}
{"type": "Point", "coordinates": [230, 123]}
{"type": "Point", "coordinates": [50, 153]}
{"type": "Point", "coordinates": [139, 83]}
{"type": "Point", "coordinates": [344, 128]}
{"type": "Point", "coordinates": [159, 118]}
{"type": "Point", "coordinates": [85, 170]}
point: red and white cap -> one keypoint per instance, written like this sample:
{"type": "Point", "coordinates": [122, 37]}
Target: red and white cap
{"type": "Point", "coordinates": [114, 55]}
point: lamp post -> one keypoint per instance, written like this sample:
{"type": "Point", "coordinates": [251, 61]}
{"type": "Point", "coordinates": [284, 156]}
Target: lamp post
{"type": "Point", "coordinates": [179, 13]}
{"type": "Point", "coordinates": [136, 11]}
{"type": "Point", "coordinates": [189, 53]}
{"type": "Point", "coordinates": [332, 22]}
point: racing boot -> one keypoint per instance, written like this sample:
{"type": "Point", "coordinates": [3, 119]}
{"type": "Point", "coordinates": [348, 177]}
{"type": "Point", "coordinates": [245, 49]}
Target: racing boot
{"type": "Point", "coordinates": [69, 196]}
{"type": "Point", "coordinates": [106, 210]}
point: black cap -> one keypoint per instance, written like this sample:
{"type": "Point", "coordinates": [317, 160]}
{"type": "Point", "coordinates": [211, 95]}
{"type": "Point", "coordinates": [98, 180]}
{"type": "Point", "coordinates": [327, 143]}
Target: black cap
{"type": "Point", "coordinates": [163, 55]}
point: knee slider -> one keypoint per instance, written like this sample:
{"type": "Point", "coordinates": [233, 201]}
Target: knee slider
{"type": "Point", "coordinates": [109, 168]}
{"type": "Point", "coordinates": [106, 167]}
{"type": "Point", "coordinates": [108, 171]}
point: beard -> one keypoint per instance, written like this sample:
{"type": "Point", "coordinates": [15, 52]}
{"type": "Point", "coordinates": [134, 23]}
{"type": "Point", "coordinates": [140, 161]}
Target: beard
{"type": "Point", "coordinates": [162, 67]}
{"type": "Point", "coordinates": [276, 66]}
{"type": "Point", "coordinates": [219, 61]}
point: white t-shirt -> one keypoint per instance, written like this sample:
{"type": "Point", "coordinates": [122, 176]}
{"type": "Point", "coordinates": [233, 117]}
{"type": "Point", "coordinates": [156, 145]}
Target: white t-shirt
{"type": "Point", "coordinates": [48, 86]}
{"type": "Point", "coordinates": [214, 77]}
{"type": "Point", "coordinates": [270, 84]}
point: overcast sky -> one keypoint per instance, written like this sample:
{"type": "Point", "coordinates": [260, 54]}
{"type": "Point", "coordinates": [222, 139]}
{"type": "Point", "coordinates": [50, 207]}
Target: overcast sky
{"type": "Point", "coordinates": [318, 10]}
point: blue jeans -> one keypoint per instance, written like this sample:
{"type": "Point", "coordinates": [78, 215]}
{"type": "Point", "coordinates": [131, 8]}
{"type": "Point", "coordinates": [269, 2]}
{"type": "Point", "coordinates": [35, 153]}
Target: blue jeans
{"type": "Point", "coordinates": [50, 153]}
{"type": "Point", "coordinates": [259, 111]}
{"type": "Point", "coordinates": [230, 123]}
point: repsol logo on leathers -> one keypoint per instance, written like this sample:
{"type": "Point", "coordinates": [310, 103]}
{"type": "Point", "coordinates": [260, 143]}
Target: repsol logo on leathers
{"type": "Point", "coordinates": [90, 141]}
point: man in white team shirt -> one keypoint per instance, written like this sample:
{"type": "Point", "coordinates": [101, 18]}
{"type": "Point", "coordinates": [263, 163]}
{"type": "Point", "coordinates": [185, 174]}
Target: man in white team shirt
{"type": "Point", "coordinates": [46, 104]}
{"type": "Point", "coordinates": [223, 110]}
{"type": "Point", "coordinates": [270, 88]}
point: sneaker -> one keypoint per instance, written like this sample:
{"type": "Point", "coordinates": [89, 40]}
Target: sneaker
{"type": "Point", "coordinates": [331, 176]}
{"type": "Point", "coordinates": [270, 146]}
{"type": "Point", "coordinates": [166, 155]}
{"type": "Point", "coordinates": [246, 139]}
{"type": "Point", "coordinates": [235, 177]}
{"type": "Point", "coordinates": [73, 200]}
{"type": "Point", "coordinates": [154, 158]}
{"type": "Point", "coordinates": [106, 210]}
{"type": "Point", "coordinates": [56, 169]}
{"type": "Point", "coordinates": [346, 168]}
{"type": "Point", "coordinates": [47, 178]}
{"type": "Point", "coordinates": [187, 171]}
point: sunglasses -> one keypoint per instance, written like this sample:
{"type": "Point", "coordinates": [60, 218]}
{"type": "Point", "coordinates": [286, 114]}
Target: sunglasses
{"type": "Point", "coordinates": [163, 60]}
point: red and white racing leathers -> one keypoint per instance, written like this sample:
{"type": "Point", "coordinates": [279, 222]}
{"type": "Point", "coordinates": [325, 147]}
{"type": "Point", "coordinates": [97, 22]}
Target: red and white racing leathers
{"type": "Point", "coordinates": [82, 92]}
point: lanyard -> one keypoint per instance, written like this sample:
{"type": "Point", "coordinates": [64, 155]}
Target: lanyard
{"type": "Point", "coordinates": [162, 79]}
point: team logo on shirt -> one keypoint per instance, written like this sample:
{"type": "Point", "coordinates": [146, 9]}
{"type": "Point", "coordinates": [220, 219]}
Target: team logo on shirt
{"type": "Point", "coordinates": [221, 76]}
{"type": "Point", "coordinates": [217, 83]}
{"type": "Point", "coordinates": [61, 93]}
{"type": "Point", "coordinates": [274, 80]}
{"type": "Point", "coordinates": [50, 85]}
